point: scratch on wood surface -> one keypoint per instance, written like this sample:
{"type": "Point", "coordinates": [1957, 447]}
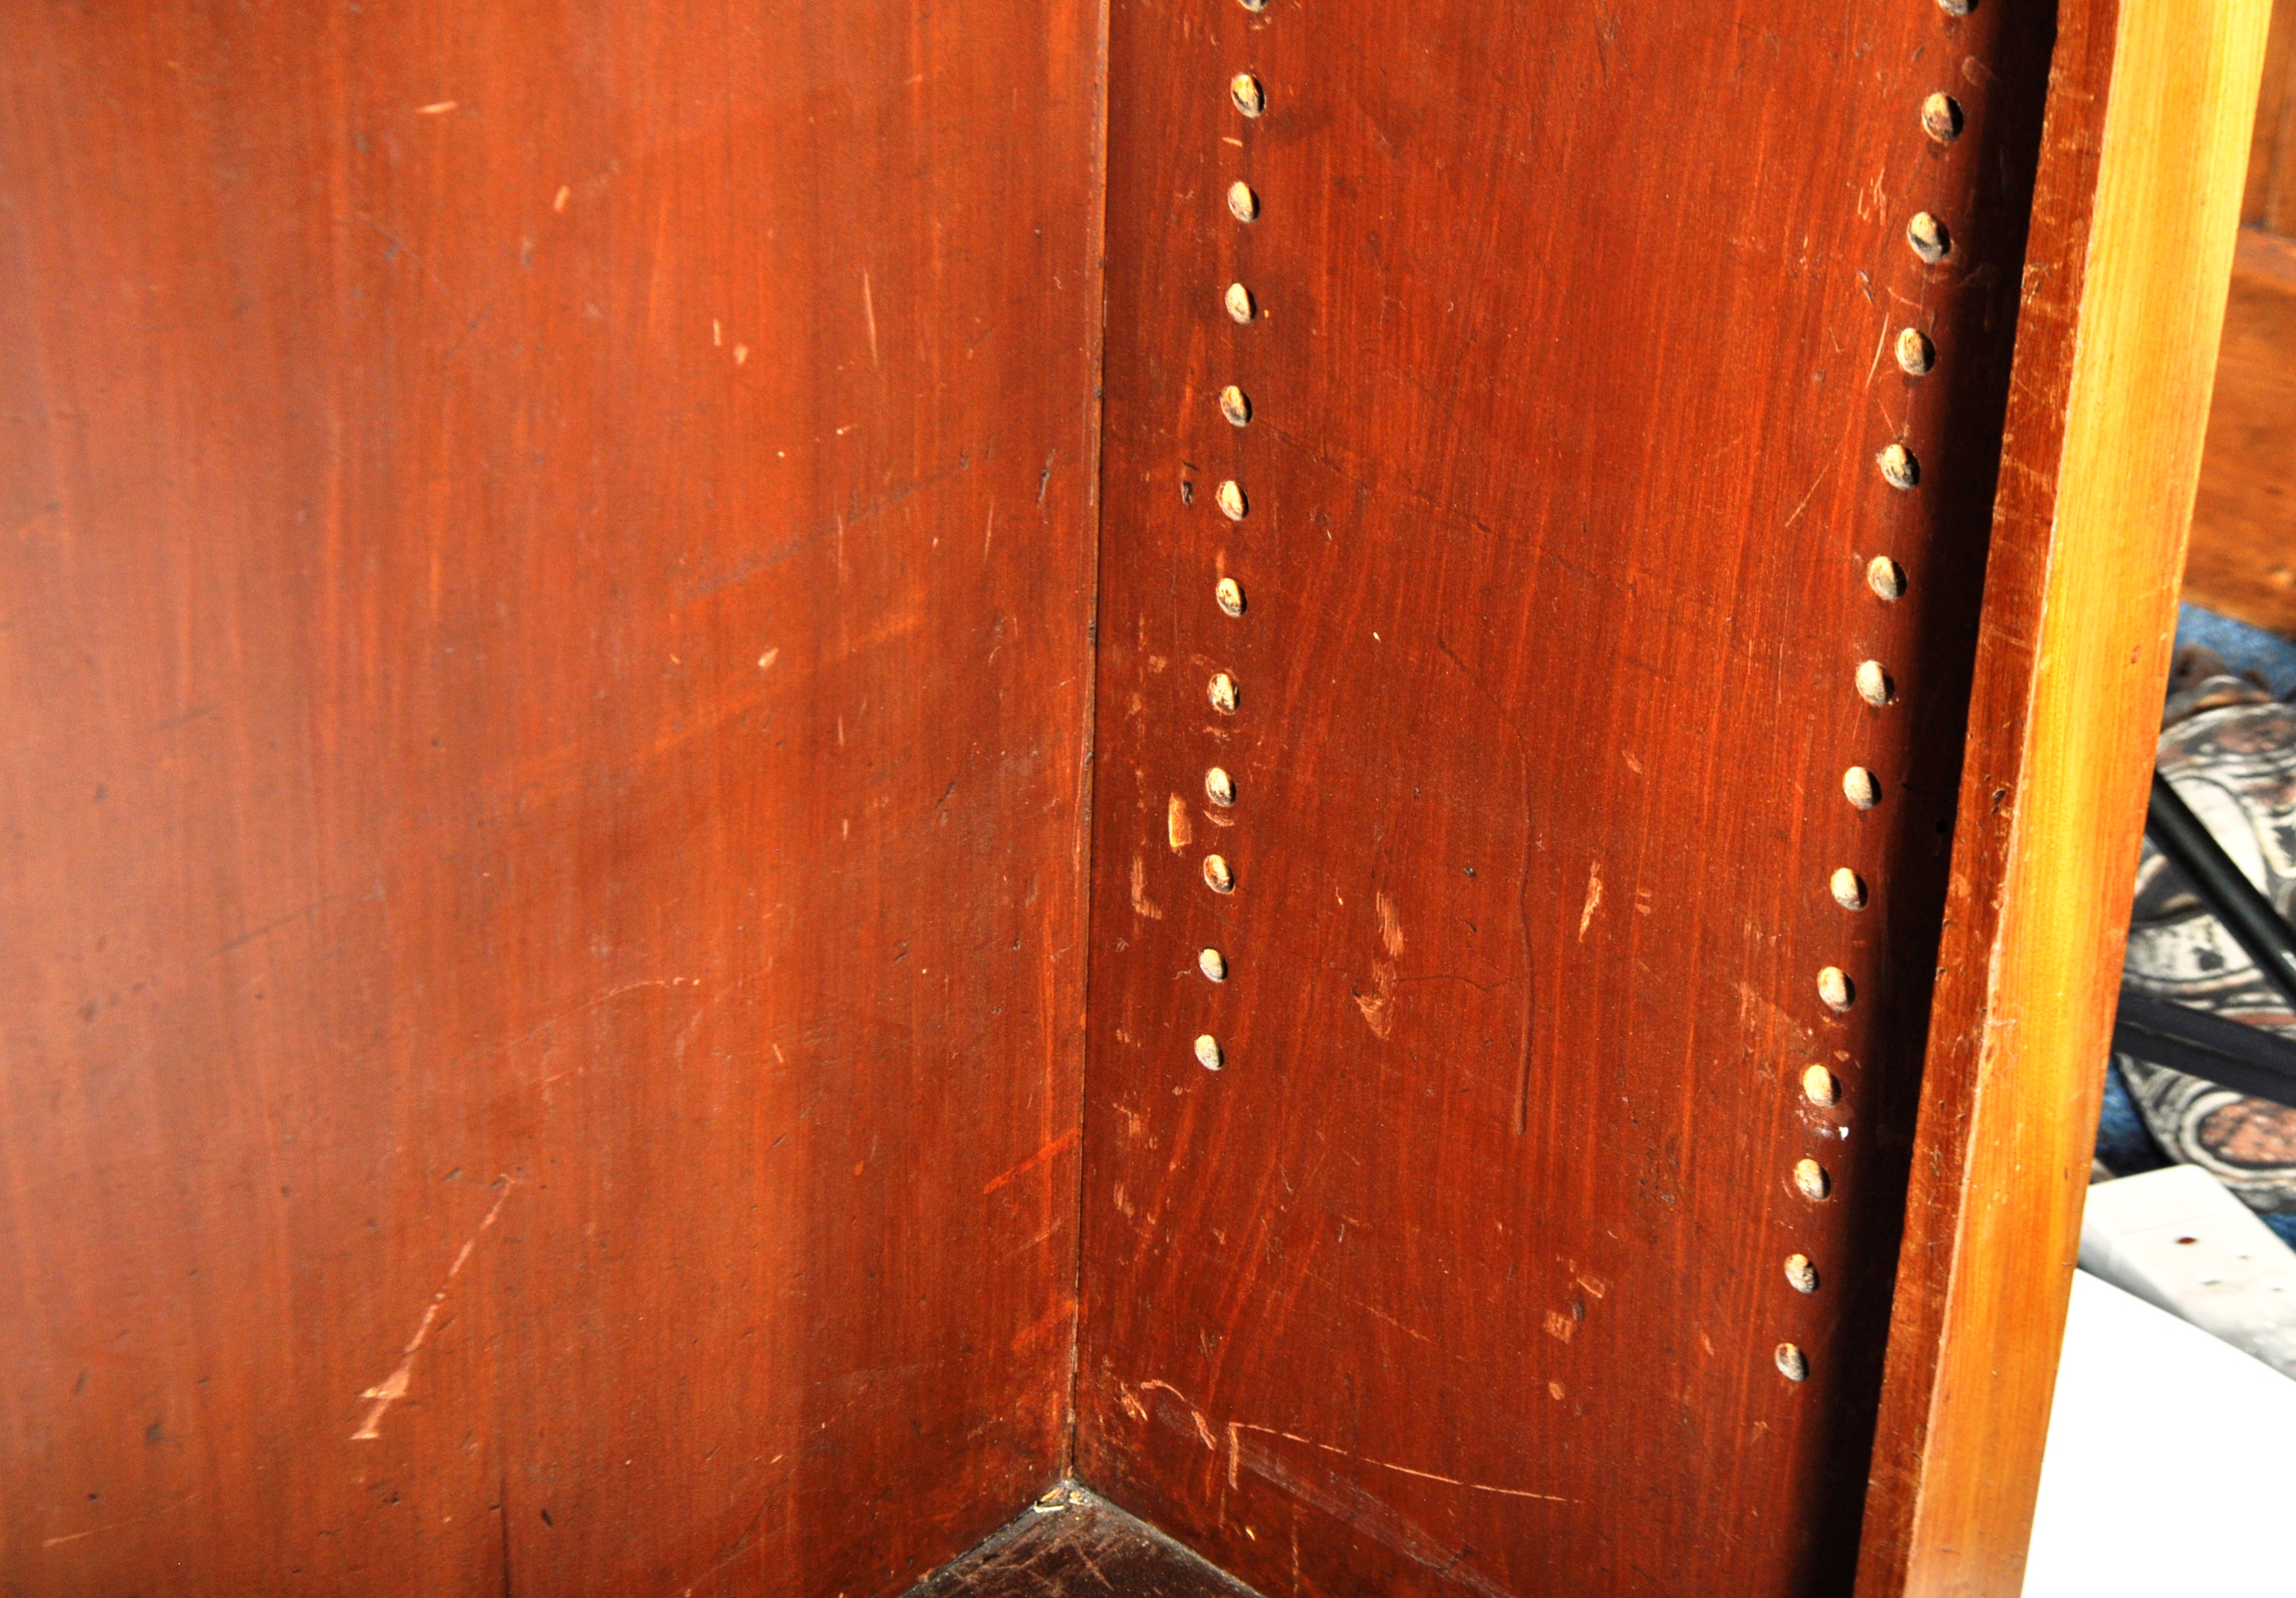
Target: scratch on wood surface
{"type": "Point", "coordinates": [1239, 1451]}
{"type": "Point", "coordinates": [1559, 1326]}
{"type": "Point", "coordinates": [1052, 1150]}
{"type": "Point", "coordinates": [1176, 825]}
{"type": "Point", "coordinates": [1371, 1310]}
{"type": "Point", "coordinates": [1142, 904]}
{"type": "Point", "coordinates": [1094, 1569]}
{"type": "Point", "coordinates": [393, 1387]}
{"type": "Point", "coordinates": [93, 1531]}
{"type": "Point", "coordinates": [1037, 1242]}
{"type": "Point", "coordinates": [1391, 926]}
{"type": "Point", "coordinates": [1531, 844]}
{"type": "Point", "coordinates": [1203, 1430]}
{"type": "Point", "coordinates": [1378, 1006]}
{"type": "Point", "coordinates": [1754, 1006]}
{"type": "Point", "coordinates": [1798, 509]}
{"type": "Point", "coordinates": [1364, 1511]}
{"type": "Point", "coordinates": [1873, 200]}
{"type": "Point", "coordinates": [436, 108]}
{"type": "Point", "coordinates": [1880, 343]}
{"type": "Point", "coordinates": [1594, 899]}
{"type": "Point", "coordinates": [869, 311]}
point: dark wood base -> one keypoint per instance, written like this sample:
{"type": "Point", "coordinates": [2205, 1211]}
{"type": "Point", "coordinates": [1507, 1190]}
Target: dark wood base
{"type": "Point", "coordinates": [1072, 1543]}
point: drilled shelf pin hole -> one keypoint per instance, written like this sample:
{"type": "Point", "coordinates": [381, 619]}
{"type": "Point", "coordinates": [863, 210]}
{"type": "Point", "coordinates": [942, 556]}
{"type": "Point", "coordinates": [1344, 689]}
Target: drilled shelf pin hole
{"type": "Point", "coordinates": [1208, 1052]}
{"type": "Point", "coordinates": [1229, 594]}
{"type": "Point", "coordinates": [1216, 874]}
{"type": "Point", "coordinates": [1915, 353]}
{"type": "Point", "coordinates": [1243, 204]}
{"type": "Point", "coordinates": [1822, 1087]}
{"type": "Point", "coordinates": [1810, 1180]}
{"type": "Point", "coordinates": [1231, 501]}
{"type": "Point", "coordinates": [1898, 468]}
{"type": "Point", "coordinates": [1848, 888]}
{"type": "Point", "coordinates": [1238, 300]}
{"type": "Point", "coordinates": [1941, 117]}
{"type": "Point", "coordinates": [1861, 788]}
{"type": "Point", "coordinates": [1220, 787]}
{"type": "Point", "coordinates": [1929, 238]}
{"type": "Point", "coordinates": [1886, 578]}
{"type": "Point", "coordinates": [1834, 987]}
{"type": "Point", "coordinates": [1235, 404]}
{"type": "Point", "coordinates": [1250, 96]}
{"type": "Point", "coordinates": [1792, 1364]}
{"type": "Point", "coordinates": [1213, 965]}
{"type": "Point", "coordinates": [1221, 691]}
{"type": "Point", "coordinates": [1873, 684]}
{"type": "Point", "coordinates": [1801, 1273]}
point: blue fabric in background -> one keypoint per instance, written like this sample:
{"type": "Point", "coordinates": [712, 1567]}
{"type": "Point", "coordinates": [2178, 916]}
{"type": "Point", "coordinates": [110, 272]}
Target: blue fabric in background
{"type": "Point", "coordinates": [2124, 1143]}
{"type": "Point", "coordinates": [2268, 657]}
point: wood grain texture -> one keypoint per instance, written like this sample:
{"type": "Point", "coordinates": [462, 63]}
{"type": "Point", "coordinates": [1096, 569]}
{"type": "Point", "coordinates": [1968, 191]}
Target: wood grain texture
{"type": "Point", "coordinates": [544, 592]}
{"type": "Point", "coordinates": [2138, 199]}
{"type": "Point", "coordinates": [1466, 1272]}
{"type": "Point", "coordinates": [1076, 1545]}
{"type": "Point", "coordinates": [2269, 197]}
{"type": "Point", "coordinates": [2242, 557]}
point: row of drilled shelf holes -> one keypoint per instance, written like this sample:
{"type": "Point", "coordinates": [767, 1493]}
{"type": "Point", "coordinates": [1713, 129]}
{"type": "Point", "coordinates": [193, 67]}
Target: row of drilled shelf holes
{"type": "Point", "coordinates": [1941, 119]}
{"type": "Point", "coordinates": [1249, 96]}
{"type": "Point", "coordinates": [1926, 235]}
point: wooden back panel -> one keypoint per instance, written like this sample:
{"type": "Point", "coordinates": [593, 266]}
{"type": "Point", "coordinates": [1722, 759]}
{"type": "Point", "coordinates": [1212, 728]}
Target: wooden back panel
{"type": "Point", "coordinates": [544, 599]}
{"type": "Point", "coordinates": [1571, 352]}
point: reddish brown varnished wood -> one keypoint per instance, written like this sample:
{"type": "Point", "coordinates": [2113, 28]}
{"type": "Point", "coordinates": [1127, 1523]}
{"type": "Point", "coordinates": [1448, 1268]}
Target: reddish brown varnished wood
{"type": "Point", "coordinates": [2269, 197]}
{"type": "Point", "coordinates": [1572, 360]}
{"type": "Point", "coordinates": [2242, 557]}
{"type": "Point", "coordinates": [2138, 198]}
{"type": "Point", "coordinates": [544, 586]}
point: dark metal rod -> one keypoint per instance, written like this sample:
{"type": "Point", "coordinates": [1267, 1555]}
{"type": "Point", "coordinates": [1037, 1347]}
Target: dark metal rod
{"type": "Point", "coordinates": [2245, 1059]}
{"type": "Point", "coordinates": [2223, 887]}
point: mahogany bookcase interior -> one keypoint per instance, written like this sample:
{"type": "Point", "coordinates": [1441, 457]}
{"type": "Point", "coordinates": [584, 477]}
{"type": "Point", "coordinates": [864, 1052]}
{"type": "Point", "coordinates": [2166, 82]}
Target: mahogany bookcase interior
{"type": "Point", "coordinates": [1343, 787]}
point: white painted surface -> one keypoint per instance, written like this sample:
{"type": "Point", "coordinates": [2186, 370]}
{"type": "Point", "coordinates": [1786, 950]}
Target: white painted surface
{"type": "Point", "coordinates": [2171, 1462]}
{"type": "Point", "coordinates": [2178, 1238]}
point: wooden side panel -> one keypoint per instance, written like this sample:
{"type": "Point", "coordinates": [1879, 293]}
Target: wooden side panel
{"type": "Point", "coordinates": [544, 599]}
{"type": "Point", "coordinates": [1569, 354]}
{"type": "Point", "coordinates": [2138, 201]}
{"type": "Point", "coordinates": [2242, 559]}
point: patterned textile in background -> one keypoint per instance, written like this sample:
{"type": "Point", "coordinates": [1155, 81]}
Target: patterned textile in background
{"type": "Point", "coordinates": [2229, 750]}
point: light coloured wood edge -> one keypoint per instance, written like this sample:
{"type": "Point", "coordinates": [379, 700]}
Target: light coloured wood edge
{"type": "Point", "coordinates": [2072, 654]}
